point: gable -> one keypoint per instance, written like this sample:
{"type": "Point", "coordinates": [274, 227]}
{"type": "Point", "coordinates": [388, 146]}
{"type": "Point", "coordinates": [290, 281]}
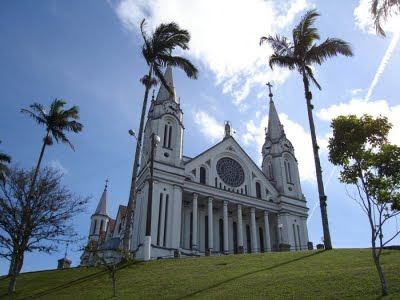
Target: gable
{"type": "Point", "coordinates": [228, 151]}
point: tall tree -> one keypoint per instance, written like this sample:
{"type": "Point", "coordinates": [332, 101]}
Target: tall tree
{"type": "Point", "coordinates": [301, 54]}
{"type": "Point", "coordinates": [34, 220]}
{"type": "Point", "coordinates": [372, 165]}
{"type": "Point", "coordinates": [381, 10]}
{"type": "Point", "coordinates": [157, 51]}
{"type": "Point", "coordinates": [4, 159]}
{"type": "Point", "coordinates": [57, 121]}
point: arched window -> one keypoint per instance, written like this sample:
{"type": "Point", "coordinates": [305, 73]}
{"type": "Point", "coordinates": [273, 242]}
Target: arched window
{"type": "Point", "coordinates": [216, 182]}
{"type": "Point", "coordinates": [101, 226]}
{"type": "Point", "coordinates": [288, 172]}
{"type": "Point", "coordinates": [258, 190]}
{"type": "Point", "coordinates": [167, 135]}
{"type": "Point", "coordinates": [202, 175]}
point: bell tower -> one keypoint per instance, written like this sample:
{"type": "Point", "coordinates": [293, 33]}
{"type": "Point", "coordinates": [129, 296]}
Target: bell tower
{"type": "Point", "coordinates": [165, 120]}
{"type": "Point", "coordinates": [279, 162]}
{"type": "Point", "coordinates": [100, 218]}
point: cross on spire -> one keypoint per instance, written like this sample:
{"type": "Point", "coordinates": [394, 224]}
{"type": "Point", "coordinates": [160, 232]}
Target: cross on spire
{"type": "Point", "coordinates": [270, 92]}
{"type": "Point", "coordinates": [105, 188]}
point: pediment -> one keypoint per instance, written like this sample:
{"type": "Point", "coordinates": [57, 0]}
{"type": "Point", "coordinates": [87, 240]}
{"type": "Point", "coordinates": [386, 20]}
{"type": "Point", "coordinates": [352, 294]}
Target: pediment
{"type": "Point", "coordinates": [228, 148]}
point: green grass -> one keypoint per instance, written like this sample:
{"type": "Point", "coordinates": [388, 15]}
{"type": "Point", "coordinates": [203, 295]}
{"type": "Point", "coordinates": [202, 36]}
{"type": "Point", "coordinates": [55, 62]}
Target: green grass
{"type": "Point", "coordinates": [332, 274]}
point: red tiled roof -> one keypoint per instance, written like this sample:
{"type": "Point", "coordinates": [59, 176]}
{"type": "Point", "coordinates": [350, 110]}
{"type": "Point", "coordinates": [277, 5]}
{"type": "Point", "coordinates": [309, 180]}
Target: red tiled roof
{"type": "Point", "coordinates": [111, 225]}
{"type": "Point", "coordinates": [122, 209]}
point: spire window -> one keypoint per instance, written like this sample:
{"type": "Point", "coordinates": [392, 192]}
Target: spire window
{"type": "Point", "coordinates": [288, 172]}
{"type": "Point", "coordinates": [167, 135]}
{"type": "Point", "coordinates": [94, 227]}
{"type": "Point", "coordinates": [270, 171]}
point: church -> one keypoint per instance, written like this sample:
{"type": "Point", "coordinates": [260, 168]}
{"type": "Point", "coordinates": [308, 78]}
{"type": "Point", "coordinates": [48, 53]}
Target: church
{"type": "Point", "coordinates": [218, 202]}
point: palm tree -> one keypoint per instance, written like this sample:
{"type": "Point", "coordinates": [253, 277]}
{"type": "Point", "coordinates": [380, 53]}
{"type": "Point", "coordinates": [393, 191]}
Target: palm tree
{"type": "Point", "coordinates": [4, 159]}
{"type": "Point", "coordinates": [57, 121]}
{"type": "Point", "coordinates": [300, 54]}
{"type": "Point", "coordinates": [381, 10]}
{"type": "Point", "coordinates": [157, 51]}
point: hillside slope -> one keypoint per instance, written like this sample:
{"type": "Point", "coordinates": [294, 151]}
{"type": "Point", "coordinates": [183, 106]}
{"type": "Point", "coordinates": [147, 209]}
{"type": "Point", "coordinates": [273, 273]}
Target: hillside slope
{"type": "Point", "coordinates": [312, 274]}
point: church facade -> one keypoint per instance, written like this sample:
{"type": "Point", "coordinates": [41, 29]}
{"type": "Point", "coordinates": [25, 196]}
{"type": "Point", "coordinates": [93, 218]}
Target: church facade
{"type": "Point", "coordinates": [219, 202]}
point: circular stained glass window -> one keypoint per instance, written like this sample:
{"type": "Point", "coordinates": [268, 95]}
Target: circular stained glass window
{"type": "Point", "coordinates": [230, 172]}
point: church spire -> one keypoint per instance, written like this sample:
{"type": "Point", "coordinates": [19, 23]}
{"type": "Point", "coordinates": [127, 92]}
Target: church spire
{"type": "Point", "coordinates": [102, 207]}
{"type": "Point", "coordinates": [163, 93]}
{"type": "Point", "coordinates": [275, 128]}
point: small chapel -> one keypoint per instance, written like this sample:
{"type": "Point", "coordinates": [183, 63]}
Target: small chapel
{"type": "Point", "coordinates": [218, 202]}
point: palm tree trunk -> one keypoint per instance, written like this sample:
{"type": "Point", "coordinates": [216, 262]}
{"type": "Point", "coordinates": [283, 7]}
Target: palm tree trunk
{"type": "Point", "coordinates": [38, 165]}
{"type": "Point", "coordinates": [132, 193]}
{"type": "Point", "coordinates": [318, 170]}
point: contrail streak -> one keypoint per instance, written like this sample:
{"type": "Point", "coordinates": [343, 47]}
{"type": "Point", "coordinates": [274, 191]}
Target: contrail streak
{"type": "Point", "coordinates": [326, 186]}
{"type": "Point", "coordinates": [384, 62]}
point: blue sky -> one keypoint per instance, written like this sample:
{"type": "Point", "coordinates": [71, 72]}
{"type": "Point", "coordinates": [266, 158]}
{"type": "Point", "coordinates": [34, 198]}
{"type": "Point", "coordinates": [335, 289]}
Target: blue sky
{"type": "Point", "coordinates": [88, 52]}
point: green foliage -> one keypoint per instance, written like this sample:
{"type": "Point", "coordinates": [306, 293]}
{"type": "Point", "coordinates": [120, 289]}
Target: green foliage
{"type": "Point", "coordinates": [336, 274]}
{"type": "Point", "coordinates": [302, 52]}
{"type": "Point", "coordinates": [381, 10]}
{"type": "Point", "coordinates": [157, 51]}
{"type": "Point", "coordinates": [361, 147]}
{"type": "Point", "coordinates": [56, 121]}
{"type": "Point", "coordinates": [4, 159]}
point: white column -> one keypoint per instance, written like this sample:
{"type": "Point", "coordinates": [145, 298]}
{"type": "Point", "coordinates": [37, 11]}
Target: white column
{"type": "Point", "coordinates": [226, 244]}
{"type": "Point", "coordinates": [303, 228]}
{"type": "Point", "coordinates": [210, 223]}
{"type": "Point", "coordinates": [267, 243]}
{"type": "Point", "coordinates": [174, 218]}
{"type": "Point", "coordinates": [162, 220]}
{"type": "Point", "coordinates": [186, 220]}
{"type": "Point", "coordinates": [240, 228]}
{"type": "Point", "coordinates": [194, 233]}
{"type": "Point", "coordinates": [253, 231]}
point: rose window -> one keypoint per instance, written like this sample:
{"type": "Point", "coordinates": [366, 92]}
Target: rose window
{"type": "Point", "coordinates": [230, 172]}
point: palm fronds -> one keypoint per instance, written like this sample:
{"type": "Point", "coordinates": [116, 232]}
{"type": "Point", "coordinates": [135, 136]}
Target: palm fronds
{"type": "Point", "coordinates": [56, 121]}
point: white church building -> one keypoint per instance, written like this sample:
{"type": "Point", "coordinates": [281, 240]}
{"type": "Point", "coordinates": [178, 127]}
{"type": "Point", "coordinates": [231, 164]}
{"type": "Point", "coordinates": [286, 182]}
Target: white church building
{"type": "Point", "coordinates": [219, 202]}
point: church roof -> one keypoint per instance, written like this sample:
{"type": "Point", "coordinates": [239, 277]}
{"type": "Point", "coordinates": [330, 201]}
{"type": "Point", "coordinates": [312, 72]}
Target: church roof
{"type": "Point", "coordinates": [102, 207]}
{"type": "Point", "coordinates": [163, 93]}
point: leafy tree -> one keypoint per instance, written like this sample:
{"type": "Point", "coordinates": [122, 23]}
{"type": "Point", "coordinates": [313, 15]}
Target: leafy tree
{"type": "Point", "coordinates": [372, 165]}
{"type": "Point", "coordinates": [109, 261]}
{"type": "Point", "coordinates": [37, 222]}
{"type": "Point", "coordinates": [4, 159]}
{"type": "Point", "coordinates": [301, 54]}
{"type": "Point", "coordinates": [57, 121]}
{"type": "Point", "coordinates": [157, 51]}
{"type": "Point", "coordinates": [381, 10]}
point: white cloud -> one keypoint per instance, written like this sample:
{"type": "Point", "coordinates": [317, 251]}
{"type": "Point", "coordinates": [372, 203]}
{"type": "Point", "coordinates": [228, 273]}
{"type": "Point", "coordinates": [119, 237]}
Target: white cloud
{"type": "Point", "coordinates": [56, 164]}
{"type": "Point", "coordinates": [225, 35]}
{"type": "Point", "coordinates": [209, 126]}
{"type": "Point", "coordinates": [359, 107]}
{"type": "Point", "coordinates": [363, 19]}
{"type": "Point", "coordinates": [355, 92]}
{"type": "Point", "coordinates": [254, 138]}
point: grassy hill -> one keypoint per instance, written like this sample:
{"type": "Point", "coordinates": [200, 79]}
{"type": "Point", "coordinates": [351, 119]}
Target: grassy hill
{"type": "Point", "coordinates": [313, 274]}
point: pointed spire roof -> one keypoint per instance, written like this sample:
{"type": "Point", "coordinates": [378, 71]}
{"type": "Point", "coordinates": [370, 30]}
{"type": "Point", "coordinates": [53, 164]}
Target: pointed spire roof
{"type": "Point", "coordinates": [163, 93]}
{"type": "Point", "coordinates": [275, 128]}
{"type": "Point", "coordinates": [102, 207]}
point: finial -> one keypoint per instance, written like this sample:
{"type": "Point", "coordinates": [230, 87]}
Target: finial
{"type": "Point", "coordinates": [66, 250]}
{"type": "Point", "coordinates": [227, 129]}
{"type": "Point", "coordinates": [270, 92]}
{"type": "Point", "coordinates": [105, 188]}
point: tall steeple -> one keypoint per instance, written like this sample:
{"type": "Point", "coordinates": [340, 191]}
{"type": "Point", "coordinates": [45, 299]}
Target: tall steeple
{"type": "Point", "coordinates": [102, 207]}
{"type": "Point", "coordinates": [163, 93]}
{"type": "Point", "coordinates": [275, 128]}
